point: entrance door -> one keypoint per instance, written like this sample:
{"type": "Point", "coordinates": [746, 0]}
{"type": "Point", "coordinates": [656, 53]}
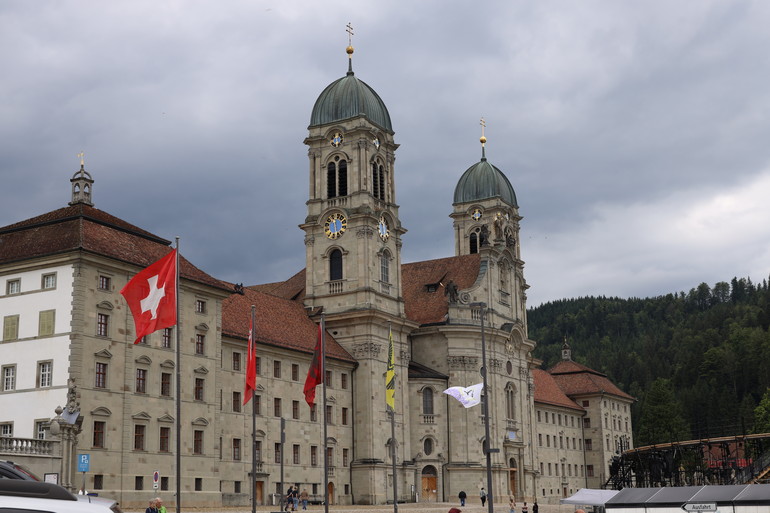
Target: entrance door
{"type": "Point", "coordinates": [260, 492]}
{"type": "Point", "coordinates": [330, 487]}
{"type": "Point", "coordinates": [429, 484]}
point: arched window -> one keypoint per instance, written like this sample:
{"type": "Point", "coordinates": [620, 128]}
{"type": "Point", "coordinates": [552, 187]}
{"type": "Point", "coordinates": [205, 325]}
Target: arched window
{"type": "Point", "coordinates": [337, 178]}
{"type": "Point", "coordinates": [427, 446]}
{"type": "Point", "coordinates": [378, 181]}
{"type": "Point", "coordinates": [510, 401]}
{"type": "Point", "coordinates": [427, 401]}
{"type": "Point", "coordinates": [385, 267]}
{"type": "Point", "coordinates": [474, 243]}
{"type": "Point", "coordinates": [335, 265]}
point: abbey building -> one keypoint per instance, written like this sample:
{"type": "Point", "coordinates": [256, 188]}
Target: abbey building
{"type": "Point", "coordinates": [66, 329]}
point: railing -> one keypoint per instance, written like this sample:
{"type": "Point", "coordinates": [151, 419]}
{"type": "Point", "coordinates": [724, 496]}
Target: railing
{"type": "Point", "coordinates": [428, 419]}
{"type": "Point", "coordinates": [335, 287]}
{"type": "Point", "coordinates": [385, 288]}
{"type": "Point", "coordinates": [330, 471]}
{"type": "Point", "coordinates": [339, 201]}
{"type": "Point", "coordinates": [34, 446]}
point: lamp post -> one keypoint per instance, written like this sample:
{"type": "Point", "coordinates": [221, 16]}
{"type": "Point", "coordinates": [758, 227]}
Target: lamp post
{"type": "Point", "coordinates": [485, 402]}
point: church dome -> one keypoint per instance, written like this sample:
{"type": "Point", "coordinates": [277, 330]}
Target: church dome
{"type": "Point", "coordinates": [484, 181]}
{"type": "Point", "coordinates": [348, 98]}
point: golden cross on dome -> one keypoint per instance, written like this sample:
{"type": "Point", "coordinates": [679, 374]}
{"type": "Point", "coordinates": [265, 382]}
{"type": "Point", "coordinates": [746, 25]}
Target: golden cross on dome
{"type": "Point", "coordinates": [483, 125]}
{"type": "Point", "coordinates": [82, 161]}
{"type": "Point", "coordinates": [349, 30]}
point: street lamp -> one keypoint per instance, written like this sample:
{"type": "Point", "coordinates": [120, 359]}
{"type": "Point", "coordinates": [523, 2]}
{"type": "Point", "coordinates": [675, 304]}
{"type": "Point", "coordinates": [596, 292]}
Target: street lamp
{"type": "Point", "coordinates": [485, 402]}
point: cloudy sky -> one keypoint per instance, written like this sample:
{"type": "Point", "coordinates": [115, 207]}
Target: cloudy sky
{"type": "Point", "coordinates": [636, 134]}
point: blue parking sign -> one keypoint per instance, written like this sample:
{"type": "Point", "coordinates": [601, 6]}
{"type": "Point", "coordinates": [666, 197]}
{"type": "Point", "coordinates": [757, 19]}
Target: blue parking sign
{"type": "Point", "coordinates": [84, 462]}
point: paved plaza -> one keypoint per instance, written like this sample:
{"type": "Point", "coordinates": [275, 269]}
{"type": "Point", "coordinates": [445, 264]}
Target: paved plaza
{"type": "Point", "coordinates": [425, 507]}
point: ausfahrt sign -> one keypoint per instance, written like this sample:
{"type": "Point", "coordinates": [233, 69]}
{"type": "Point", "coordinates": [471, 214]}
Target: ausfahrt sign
{"type": "Point", "coordinates": [698, 507]}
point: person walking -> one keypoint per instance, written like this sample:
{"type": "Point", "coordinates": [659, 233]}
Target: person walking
{"type": "Point", "coordinates": [512, 505]}
{"type": "Point", "coordinates": [524, 508]}
{"type": "Point", "coordinates": [159, 505]}
{"type": "Point", "coordinates": [534, 507]}
{"type": "Point", "coordinates": [483, 496]}
{"type": "Point", "coordinates": [304, 496]}
{"type": "Point", "coordinates": [295, 497]}
{"type": "Point", "coordinates": [462, 497]}
{"type": "Point", "coordinates": [152, 508]}
{"type": "Point", "coordinates": [289, 500]}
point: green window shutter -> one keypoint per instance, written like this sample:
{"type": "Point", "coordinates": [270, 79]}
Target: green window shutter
{"type": "Point", "coordinates": [11, 327]}
{"type": "Point", "coordinates": [46, 325]}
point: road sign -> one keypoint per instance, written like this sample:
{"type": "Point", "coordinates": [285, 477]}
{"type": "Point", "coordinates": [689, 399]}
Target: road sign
{"type": "Point", "coordinates": [84, 462]}
{"type": "Point", "coordinates": [697, 507]}
{"type": "Point", "coordinates": [155, 479]}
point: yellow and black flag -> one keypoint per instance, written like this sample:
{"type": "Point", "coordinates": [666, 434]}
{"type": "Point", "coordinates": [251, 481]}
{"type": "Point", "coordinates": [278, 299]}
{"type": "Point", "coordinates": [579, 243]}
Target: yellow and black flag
{"type": "Point", "coordinates": [390, 376]}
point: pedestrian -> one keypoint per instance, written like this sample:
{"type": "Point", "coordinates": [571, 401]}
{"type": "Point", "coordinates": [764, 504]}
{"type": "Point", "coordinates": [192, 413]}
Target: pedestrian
{"type": "Point", "coordinates": [288, 497]}
{"type": "Point", "coordinates": [295, 497]}
{"type": "Point", "coordinates": [159, 505]}
{"type": "Point", "coordinates": [483, 496]}
{"type": "Point", "coordinates": [534, 507]}
{"type": "Point", "coordinates": [524, 508]}
{"type": "Point", "coordinates": [152, 508]}
{"type": "Point", "coordinates": [304, 498]}
{"type": "Point", "coordinates": [462, 497]}
{"type": "Point", "coordinates": [512, 505]}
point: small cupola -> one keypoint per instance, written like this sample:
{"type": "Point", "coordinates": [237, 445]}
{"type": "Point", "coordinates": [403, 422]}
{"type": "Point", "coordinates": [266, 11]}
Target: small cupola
{"type": "Point", "coordinates": [82, 185]}
{"type": "Point", "coordinates": [566, 352]}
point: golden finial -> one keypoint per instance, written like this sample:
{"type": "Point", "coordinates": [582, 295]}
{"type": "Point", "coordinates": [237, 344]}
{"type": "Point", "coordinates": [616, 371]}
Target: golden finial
{"type": "Point", "coordinates": [82, 160]}
{"type": "Point", "coordinates": [349, 30]}
{"type": "Point", "coordinates": [483, 125]}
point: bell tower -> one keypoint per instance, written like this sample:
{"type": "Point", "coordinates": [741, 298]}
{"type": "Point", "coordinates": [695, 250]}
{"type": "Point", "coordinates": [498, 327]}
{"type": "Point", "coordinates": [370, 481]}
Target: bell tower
{"type": "Point", "coordinates": [353, 264]}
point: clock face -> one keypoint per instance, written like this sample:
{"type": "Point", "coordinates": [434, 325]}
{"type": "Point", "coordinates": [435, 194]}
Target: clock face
{"type": "Point", "coordinates": [476, 214]}
{"type": "Point", "coordinates": [335, 225]}
{"type": "Point", "coordinates": [336, 139]}
{"type": "Point", "coordinates": [382, 228]}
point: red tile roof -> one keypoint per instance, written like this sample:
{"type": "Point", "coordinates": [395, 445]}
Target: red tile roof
{"type": "Point", "coordinates": [293, 288]}
{"type": "Point", "coordinates": [82, 227]}
{"type": "Point", "coordinates": [577, 379]}
{"type": "Point", "coordinates": [431, 307]}
{"type": "Point", "coordinates": [280, 322]}
{"type": "Point", "coordinates": [547, 391]}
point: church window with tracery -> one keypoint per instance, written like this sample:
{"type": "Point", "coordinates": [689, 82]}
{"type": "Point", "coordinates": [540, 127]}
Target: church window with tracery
{"type": "Point", "coordinates": [378, 181]}
{"type": "Point", "coordinates": [337, 178]}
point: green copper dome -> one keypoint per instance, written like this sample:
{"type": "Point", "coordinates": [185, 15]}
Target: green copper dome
{"type": "Point", "coordinates": [348, 98]}
{"type": "Point", "coordinates": [484, 181]}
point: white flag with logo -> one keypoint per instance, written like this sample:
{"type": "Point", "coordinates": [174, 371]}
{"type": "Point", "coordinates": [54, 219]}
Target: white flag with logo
{"type": "Point", "coordinates": [468, 396]}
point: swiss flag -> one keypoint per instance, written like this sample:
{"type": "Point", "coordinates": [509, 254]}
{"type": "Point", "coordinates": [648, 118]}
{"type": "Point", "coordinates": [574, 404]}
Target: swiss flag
{"type": "Point", "coordinates": [151, 296]}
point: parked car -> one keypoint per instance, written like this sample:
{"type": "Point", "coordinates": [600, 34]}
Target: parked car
{"type": "Point", "coordinates": [11, 470]}
{"type": "Point", "coordinates": [32, 496]}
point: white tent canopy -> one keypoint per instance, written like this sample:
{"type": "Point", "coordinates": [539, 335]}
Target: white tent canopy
{"type": "Point", "coordinates": [589, 497]}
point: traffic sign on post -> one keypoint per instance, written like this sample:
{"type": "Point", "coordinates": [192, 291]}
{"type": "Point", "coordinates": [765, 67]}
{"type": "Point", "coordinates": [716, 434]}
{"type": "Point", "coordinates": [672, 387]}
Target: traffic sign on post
{"type": "Point", "coordinates": [84, 462]}
{"type": "Point", "coordinates": [699, 507]}
{"type": "Point", "coordinates": [155, 479]}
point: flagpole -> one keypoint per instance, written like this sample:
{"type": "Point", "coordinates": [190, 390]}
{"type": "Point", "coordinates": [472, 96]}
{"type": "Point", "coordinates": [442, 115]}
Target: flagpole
{"type": "Point", "coordinates": [323, 381]}
{"type": "Point", "coordinates": [253, 342]}
{"type": "Point", "coordinates": [393, 426]}
{"type": "Point", "coordinates": [178, 392]}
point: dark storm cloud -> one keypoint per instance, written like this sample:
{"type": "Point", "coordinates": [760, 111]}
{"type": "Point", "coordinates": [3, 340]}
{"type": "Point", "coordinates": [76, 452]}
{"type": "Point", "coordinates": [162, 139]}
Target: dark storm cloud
{"type": "Point", "coordinates": [634, 133]}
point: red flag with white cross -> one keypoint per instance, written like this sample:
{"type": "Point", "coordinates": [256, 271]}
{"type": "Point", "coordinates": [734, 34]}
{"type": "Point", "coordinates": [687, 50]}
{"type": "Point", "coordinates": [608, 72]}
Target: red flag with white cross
{"type": "Point", "coordinates": [151, 296]}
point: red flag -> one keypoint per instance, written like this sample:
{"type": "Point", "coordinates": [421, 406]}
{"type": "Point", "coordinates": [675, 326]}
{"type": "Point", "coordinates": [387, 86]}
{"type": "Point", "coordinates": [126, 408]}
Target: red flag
{"type": "Point", "coordinates": [151, 296]}
{"type": "Point", "coordinates": [251, 368]}
{"type": "Point", "coordinates": [315, 373]}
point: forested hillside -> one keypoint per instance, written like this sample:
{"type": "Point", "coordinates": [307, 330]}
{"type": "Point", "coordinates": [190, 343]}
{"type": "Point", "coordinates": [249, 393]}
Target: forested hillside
{"type": "Point", "coordinates": [698, 363]}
